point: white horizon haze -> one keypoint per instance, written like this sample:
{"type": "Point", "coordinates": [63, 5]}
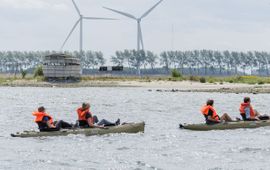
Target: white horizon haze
{"type": "Point", "coordinates": [240, 25]}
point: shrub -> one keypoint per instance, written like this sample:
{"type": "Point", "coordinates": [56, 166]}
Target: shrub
{"type": "Point", "coordinates": [193, 78]}
{"type": "Point", "coordinates": [239, 78]}
{"type": "Point", "coordinates": [147, 79]}
{"type": "Point", "coordinates": [202, 80]}
{"type": "Point", "coordinates": [23, 73]}
{"type": "Point", "coordinates": [261, 82]}
{"type": "Point", "coordinates": [211, 81]}
{"type": "Point", "coordinates": [175, 79]}
{"type": "Point", "coordinates": [38, 72]}
{"type": "Point", "coordinates": [176, 73]}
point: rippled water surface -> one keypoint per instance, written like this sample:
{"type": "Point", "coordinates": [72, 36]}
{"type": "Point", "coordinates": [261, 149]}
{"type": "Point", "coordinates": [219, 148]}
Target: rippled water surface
{"type": "Point", "coordinates": [162, 146]}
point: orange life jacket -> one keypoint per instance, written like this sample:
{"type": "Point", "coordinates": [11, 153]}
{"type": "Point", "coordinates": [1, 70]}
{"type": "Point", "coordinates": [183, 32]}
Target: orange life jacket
{"type": "Point", "coordinates": [82, 113]}
{"type": "Point", "coordinates": [242, 108]}
{"type": "Point", "coordinates": [40, 115]}
{"type": "Point", "coordinates": [205, 109]}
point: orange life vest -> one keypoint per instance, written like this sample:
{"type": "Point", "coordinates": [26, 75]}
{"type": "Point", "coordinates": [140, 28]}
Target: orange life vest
{"type": "Point", "coordinates": [40, 115]}
{"type": "Point", "coordinates": [82, 113]}
{"type": "Point", "coordinates": [205, 109]}
{"type": "Point", "coordinates": [242, 108]}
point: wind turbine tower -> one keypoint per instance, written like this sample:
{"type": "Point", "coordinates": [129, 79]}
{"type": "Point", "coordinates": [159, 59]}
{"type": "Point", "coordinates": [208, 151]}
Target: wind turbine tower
{"type": "Point", "coordinates": [80, 20]}
{"type": "Point", "coordinates": [140, 44]}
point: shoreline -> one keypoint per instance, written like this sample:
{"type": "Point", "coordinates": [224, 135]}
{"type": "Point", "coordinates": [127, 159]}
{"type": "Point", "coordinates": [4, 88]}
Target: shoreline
{"type": "Point", "coordinates": [155, 85]}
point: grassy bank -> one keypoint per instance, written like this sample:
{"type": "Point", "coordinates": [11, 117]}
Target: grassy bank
{"type": "Point", "coordinates": [7, 79]}
{"type": "Point", "coordinates": [232, 79]}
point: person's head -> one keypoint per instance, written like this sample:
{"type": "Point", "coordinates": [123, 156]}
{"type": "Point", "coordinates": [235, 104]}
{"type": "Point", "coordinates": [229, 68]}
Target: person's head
{"type": "Point", "coordinates": [210, 102]}
{"type": "Point", "coordinates": [41, 109]}
{"type": "Point", "coordinates": [246, 100]}
{"type": "Point", "coordinates": [85, 106]}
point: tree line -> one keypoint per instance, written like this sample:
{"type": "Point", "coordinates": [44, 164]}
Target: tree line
{"type": "Point", "coordinates": [12, 61]}
{"type": "Point", "coordinates": [198, 62]}
{"type": "Point", "coordinates": [195, 62]}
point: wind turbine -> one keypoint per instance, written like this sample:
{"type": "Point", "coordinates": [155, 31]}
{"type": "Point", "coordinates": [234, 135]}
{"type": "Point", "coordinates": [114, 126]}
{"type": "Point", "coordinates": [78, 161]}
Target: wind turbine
{"type": "Point", "coordinates": [80, 20]}
{"type": "Point", "coordinates": [140, 44]}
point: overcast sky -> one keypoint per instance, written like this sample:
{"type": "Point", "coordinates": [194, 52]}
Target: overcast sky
{"type": "Point", "coordinates": [175, 24]}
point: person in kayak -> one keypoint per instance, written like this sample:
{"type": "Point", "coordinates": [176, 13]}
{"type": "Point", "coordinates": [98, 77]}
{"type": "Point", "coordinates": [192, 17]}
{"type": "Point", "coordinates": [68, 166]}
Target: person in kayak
{"type": "Point", "coordinates": [45, 121]}
{"type": "Point", "coordinates": [210, 114]}
{"type": "Point", "coordinates": [86, 119]}
{"type": "Point", "coordinates": [248, 113]}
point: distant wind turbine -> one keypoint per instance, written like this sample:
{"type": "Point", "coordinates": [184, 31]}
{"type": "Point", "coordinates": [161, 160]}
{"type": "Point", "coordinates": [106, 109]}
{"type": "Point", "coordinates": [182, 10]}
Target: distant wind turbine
{"type": "Point", "coordinates": [140, 44]}
{"type": "Point", "coordinates": [80, 20]}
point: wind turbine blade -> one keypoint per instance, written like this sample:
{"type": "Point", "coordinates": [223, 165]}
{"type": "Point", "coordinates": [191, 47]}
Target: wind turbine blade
{"type": "Point", "coordinates": [151, 9]}
{"type": "Point", "coordinates": [97, 18]}
{"type": "Point", "coordinates": [73, 28]}
{"type": "Point", "coordinates": [76, 7]}
{"type": "Point", "coordinates": [122, 13]}
{"type": "Point", "coordinates": [141, 36]}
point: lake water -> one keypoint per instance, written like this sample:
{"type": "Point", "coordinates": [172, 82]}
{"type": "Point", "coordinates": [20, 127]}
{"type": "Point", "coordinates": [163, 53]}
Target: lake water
{"type": "Point", "coordinates": [162, 146]}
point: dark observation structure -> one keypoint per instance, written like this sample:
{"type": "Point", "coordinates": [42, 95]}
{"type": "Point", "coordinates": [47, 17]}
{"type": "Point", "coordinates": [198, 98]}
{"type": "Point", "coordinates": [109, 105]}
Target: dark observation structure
{"type": "Point", "coordinates": [61, 67]}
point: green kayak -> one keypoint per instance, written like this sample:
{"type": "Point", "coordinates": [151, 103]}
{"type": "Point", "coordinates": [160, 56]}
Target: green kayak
{"type": "Point", "coordinates": [226, 125]}
{"type": "Point", "coordinates": [125, 128]}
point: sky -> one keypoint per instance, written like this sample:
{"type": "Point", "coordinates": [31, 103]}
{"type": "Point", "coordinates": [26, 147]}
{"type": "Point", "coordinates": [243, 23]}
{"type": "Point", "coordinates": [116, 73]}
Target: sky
{"type": "Point", "coordinates": [240, 25]}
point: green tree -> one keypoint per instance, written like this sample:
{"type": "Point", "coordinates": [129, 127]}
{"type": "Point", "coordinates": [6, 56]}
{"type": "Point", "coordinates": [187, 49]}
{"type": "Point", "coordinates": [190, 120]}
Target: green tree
{"type": "Point", "coordinates": [151, 59]}
{"type": "Point", "coordinates": [165, 60]}
{"type": "Point", "coordinates": [38, 72]}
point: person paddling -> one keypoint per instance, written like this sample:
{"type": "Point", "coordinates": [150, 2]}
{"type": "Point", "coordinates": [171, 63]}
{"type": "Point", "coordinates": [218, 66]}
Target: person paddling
{"type": "Point", "coordinates": [210, 114]}
{"type": "Point", "coordinates": [248, 113]}
{"type": "Point", "coordinates": [86, 119]}
{"type": "Point", "coordinates": [45, 121]}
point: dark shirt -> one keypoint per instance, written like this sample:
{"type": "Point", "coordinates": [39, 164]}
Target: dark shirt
{"type": "Point", "coordinates": [210, 122]}
{"type": "Point", "coordinates": [43, 125]}
{"type": "Point", "coordinates": [88, 115]}
{"type": "Point", "coordinates": [210, 113]}
{"type": "Point", "coordinates": [84, 123]}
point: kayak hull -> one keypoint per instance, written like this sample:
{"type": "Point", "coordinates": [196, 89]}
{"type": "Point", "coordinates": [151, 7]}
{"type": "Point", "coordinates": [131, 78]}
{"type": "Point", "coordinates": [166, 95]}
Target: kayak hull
{"type": "Point", "coordinates": [126, 128]}
{"type": "Point", "coordinates": [226, 125]}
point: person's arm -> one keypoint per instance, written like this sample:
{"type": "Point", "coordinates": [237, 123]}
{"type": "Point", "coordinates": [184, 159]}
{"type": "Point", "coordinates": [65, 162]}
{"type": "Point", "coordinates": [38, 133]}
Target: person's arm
{"type": "Point", "coordinates": [212, 120]}
{"type": "Point", "coordinates": [47, 120]}
{"type": "Point", "coordinates": [257, 114]}
{"type": "Point", "coordinates": [90, 122]}
{"type": "Point", "coordinates": [248, 116]}
{"type": "Point", "coordinates": [50, 125]}
{"type": "Point", "coordinates": [92, 125]}
{"type": "Point", "coordinates": [210, 113]}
